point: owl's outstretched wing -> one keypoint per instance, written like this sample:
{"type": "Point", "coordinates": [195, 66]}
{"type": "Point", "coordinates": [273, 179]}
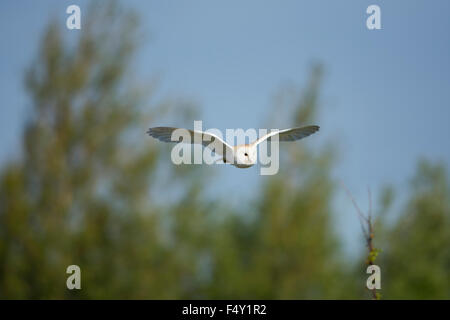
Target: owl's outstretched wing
{"type": "Point", "coordinates": [209, 140]}
{"type": "Point", "coordinates": [291, 134]}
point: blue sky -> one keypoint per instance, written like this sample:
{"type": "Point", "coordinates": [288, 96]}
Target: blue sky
{"type": "Point", "coordinates": [385, 99]}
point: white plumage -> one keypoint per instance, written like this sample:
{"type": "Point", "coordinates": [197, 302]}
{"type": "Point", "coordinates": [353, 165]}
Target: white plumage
{"type": "Point", "coordinates": [241, 156]}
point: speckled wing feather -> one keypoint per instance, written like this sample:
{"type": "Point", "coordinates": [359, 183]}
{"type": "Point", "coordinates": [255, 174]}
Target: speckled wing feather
{"type": "Point", "coordinates": [291, 134]}
{"type": "Point", "coordinates": [209, 140]}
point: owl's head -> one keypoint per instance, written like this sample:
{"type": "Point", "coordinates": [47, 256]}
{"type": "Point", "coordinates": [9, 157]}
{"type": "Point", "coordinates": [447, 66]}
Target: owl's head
{"type": "Point", "coordinates": [246, 155]}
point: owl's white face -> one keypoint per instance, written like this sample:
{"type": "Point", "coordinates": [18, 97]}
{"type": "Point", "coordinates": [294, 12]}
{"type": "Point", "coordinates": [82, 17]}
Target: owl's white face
{"type": "Point", "coordinates": [245, 156]}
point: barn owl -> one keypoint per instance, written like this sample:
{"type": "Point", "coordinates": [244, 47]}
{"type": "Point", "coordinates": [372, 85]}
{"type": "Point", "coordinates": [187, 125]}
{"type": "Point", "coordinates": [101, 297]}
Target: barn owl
{"type": "Point", "coordinates": [240, 156]}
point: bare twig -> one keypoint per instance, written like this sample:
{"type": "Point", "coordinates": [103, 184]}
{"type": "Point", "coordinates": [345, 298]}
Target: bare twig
{"type": "Point", "coordinates": [367, 229]}
{"type": "Point", "coordinates": [362, 218]}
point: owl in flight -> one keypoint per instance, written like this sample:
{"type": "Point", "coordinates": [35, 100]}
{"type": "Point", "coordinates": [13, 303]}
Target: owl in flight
{"type": "Point", "coordinates": [240, 156]}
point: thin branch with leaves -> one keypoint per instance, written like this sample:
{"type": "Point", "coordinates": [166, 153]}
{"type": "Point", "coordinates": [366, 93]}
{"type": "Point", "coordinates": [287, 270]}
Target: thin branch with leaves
{"type": "Point", "coordinates": [367, 229]}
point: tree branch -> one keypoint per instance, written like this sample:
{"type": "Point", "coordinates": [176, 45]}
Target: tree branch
{"type": "Point", "coordinates": [367, 229]}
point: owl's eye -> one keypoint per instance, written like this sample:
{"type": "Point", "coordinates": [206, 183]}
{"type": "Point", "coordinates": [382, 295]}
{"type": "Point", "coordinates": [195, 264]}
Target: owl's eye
{"type": "Point", "coordinates": [246, 154]}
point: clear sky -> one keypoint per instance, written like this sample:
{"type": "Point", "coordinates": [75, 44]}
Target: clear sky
{"type": "Point", "coordinates": [386, 94]}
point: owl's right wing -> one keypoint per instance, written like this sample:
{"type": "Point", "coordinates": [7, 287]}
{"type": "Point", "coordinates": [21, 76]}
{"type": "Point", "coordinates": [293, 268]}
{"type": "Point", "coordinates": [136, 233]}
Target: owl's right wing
{"type": "Point", "coordinates": [208, 140]}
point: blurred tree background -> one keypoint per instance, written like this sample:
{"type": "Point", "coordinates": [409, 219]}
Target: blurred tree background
{"type": "Point", "coordinates": [87, 191]}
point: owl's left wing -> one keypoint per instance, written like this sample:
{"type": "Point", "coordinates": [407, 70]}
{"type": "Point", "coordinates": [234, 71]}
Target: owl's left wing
{"type": "Point", "coordinates": [291, 134]}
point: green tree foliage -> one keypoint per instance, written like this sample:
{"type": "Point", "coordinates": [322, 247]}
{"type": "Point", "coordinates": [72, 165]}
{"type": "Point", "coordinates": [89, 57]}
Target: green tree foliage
{"type": "Point", "coordinates": [81, 187]}
{"type": "Point", "coordinates": [416, 258]}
